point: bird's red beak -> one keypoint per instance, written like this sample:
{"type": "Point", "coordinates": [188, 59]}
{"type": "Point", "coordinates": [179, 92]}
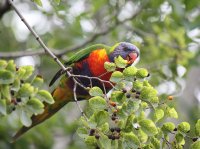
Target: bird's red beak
{"type": "Point", "coordinates": [131, 57]}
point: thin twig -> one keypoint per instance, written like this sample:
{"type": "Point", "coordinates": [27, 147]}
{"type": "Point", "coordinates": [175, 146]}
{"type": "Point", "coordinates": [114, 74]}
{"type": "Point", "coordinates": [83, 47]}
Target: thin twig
{"type": "Point", "coordinates": [76, 100]}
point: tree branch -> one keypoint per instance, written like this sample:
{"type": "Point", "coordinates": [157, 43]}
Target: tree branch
{"type": "Point", "coordinates": [5, 7]}
{"type": "Point", "coordinates": [59, 53]}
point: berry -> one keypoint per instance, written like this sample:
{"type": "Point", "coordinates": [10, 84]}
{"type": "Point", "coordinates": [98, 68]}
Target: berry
{"type": "Point", "coordinates": [124, 90]}
{"type": "Point", "coordinates": [109, 136]}
{"type": "Point", "coordinates": [13, 108]}
{"type": "Point", "coordinates": [112, 129]}
{"type": "Point", "coordinates": [18, 99]}
{"type": "Point", "coordinates": [137, 96]}
{"type": "Point", "coordinates": [194, 139]}
{"type": "Point", "coordinates": [12, 92]}
{"type": "Point", "coordinates": [92, 131]}
{"type": "Point", "coordinates": [117, 137]}
{"type": "Point", "coordinates": [113, 118]}
{"type": "Point", "coordinates": [175, 129]}
{"type": "Point", "coordinates": [133, 90]}
{"type": "Point", "coordinates": [118, 129]}
{"type": "Point", "coordinates": [97, 136]}
{"type": "Point", "coordinates": [138, 93]}
{"type": "Point", "coordinates": [128, 95]}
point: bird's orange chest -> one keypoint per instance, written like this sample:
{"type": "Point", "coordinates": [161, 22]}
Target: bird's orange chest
{"type": "Point", "coordinates": [96, 62]}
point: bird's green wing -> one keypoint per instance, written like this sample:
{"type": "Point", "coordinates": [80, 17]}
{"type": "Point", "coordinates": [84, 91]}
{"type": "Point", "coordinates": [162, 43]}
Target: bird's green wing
{"type": "Point", "coordinates": [82, 54]}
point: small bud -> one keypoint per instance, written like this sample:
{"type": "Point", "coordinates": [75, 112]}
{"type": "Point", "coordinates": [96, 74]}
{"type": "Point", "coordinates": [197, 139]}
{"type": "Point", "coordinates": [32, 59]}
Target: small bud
{"type": "Point", "coordinates": [170, 97]}
{"type": "Point", "coordinates": [113, 103]}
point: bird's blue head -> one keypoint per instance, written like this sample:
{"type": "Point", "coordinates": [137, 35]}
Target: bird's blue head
{"type": "Point", "coordinates": [127, 51]}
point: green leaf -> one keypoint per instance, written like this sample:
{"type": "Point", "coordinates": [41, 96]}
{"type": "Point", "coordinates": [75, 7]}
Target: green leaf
{"type": "Point", "coordinates": [91, 141]}
{"type": "Point", "coordinates": [137, 85]}
{"type": "Point", "coordinates": [28, 72]}
{"type": "Point", "coordinates": [168, 127]}
{"type": "Point", "coordinates": [131, 140]}
{"type": "Point", "coordinates": [171, 112]}
{"type": "Point", "coordinates": [148, 127]}
{"type": "Point", "coordinates": [142, 73]}
{"type": "Point", "coordinates": [109, 66]}
{"type": "Point", "coordinates": [11, 66]}
{"type": "Point", "coordinates": [96, 91]}
{"type": "Point", "coordinates": [117, 96]}
{"type": "Point", "coordinates": [3, 64]}
{"type": "Point", "coordinates": [57, 2]}
{"type": "Point", "coordinates": [195, 145]}
{"type": "Point", "coordinates": [101, 117]}
{"type": "Point", "coordinates": [197, 128]}
{"type": "Point", "coordinates": [129, 123]}
{"type": "Point", "coordinates": [25, 118]}
{"type": "Point", "coordinates": [26, 90]}
{"type": "Point", "coordinates": [116, 77]}
{"type": "Point", "coordinates": [38, 2]}
{"type": "Point", "coordinates": [158, 114]}
{"type": "Point", "coordinates": [184, 127]}
{"type": "Point", "coordinates": [180, 139]}
{"type": "Point", "coordinates": [142, 136]}
{"type": "Point", "coordinates": [44, 95]}
{"type": "Point", "coordinates": [155, 142]}
{"type": "Point", "coordinates": [120, 62]}
{"type": "Point", "coordinates": [6, 77]}
{"type": "Point", "coordinates": [3, 106]}
{"type": "Point", "coordinates": [148, 93]}
{"type": "Point", "coordinates": [104, 127]}
{"type": "Point", "coordinates": [35, 105]}
{"type": "Point", "coordinates": [104, 141]}
{"type": "Point", "coordinates": [82, 132]}
{"type": "Point", "coordinates": [5, 91]}
{"type": "Point", "coordinates": [16, 85]}
{"type": "Point", "coordinates": [130, 71]}
{"type": "Point", "coordinates": [97, 103]}
{"type": "Point", "coordinates": [37, 82]}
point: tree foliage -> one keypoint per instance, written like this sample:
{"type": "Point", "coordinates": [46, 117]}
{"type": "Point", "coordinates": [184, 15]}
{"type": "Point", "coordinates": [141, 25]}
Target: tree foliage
{"type": "Point", "coordinates": [165, 32]}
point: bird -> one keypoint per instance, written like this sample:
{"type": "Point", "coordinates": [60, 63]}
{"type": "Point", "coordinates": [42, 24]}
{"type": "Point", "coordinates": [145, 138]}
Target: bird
{"type": "Point", "coordinates": [87, 62]}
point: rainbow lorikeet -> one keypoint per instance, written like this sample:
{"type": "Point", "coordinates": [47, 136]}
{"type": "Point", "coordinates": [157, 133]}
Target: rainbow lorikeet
{"type": "Point", "coordinates": [88, 62]}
